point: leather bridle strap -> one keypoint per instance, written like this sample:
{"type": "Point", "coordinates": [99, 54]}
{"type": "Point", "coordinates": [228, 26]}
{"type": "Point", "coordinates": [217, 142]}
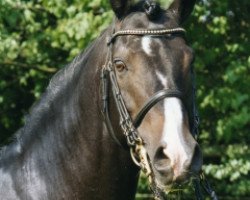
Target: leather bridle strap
{"type": "Point", "coordinates": [196, 118]}
{"type": "Point", "coordinates": [160, 95]}
{"type": "Point", "coordinates": [142, 32]}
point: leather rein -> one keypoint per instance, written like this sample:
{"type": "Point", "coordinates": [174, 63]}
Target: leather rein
{"type": "Point", "coordinates": [129, 127]}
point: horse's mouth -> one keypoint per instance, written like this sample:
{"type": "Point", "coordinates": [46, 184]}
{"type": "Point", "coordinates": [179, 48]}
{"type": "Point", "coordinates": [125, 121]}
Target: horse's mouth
{"type": "Point", "coordinates": [168, 183]}
{"type": "Point", "coordinates": [171, 186]}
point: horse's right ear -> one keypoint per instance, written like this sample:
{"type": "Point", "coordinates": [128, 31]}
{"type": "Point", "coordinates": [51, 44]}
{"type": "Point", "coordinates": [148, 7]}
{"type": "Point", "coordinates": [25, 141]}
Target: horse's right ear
{"type": "Point", "coordinates": [182, 9]}
{"type": "Point", "coordinates": [120, 7]}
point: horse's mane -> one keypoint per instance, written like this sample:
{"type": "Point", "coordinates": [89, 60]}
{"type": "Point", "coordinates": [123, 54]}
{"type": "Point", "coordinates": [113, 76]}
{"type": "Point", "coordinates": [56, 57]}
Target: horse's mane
{"type": "Point", "coordinates": [59, 84]}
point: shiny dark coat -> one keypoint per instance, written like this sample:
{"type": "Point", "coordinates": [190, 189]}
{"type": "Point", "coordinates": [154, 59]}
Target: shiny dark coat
{"type": "Point", "coordinates": [64, 150]}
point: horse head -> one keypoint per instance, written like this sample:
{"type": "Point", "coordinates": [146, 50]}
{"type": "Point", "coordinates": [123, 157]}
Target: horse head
{"type": "Point", "coordinates": [147, 63]}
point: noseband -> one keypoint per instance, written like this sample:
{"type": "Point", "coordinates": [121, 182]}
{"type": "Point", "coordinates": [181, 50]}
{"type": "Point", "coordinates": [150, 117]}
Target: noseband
{"type": "Point", "coordinates": [128, 126]}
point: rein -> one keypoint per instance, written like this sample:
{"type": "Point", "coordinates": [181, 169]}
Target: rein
{"type": "Point", "coordinates": [129, 127]}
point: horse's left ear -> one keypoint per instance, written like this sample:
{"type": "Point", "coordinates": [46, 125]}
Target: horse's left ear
{"type": "Point", "coordinates": [182, 9]}
{"type": "Point", "coordinates": [120, 7]}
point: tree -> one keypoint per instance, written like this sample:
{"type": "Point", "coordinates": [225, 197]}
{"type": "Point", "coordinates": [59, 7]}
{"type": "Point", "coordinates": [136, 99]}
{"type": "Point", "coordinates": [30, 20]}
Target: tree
{"type": "Point", "coordinates": [219, 33]}
{"type": "Point", "coordinates": [39, 37]}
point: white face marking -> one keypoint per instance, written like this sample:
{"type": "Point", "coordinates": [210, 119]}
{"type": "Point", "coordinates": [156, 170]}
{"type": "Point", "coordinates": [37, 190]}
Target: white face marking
{"type": "Point", "coordinates": [146, 42]}
{"type": "Point", "coordinates": [173, 134]}
{"type": "Point", "coordinates": [162, 78]}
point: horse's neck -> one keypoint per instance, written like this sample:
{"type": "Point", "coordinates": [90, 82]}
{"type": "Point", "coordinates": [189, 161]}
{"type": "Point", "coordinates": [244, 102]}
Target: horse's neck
{"type": "Point", "coordinates": [66, 150]}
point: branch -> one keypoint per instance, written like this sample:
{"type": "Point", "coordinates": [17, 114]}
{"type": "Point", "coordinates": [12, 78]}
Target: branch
{"type": "Point", "coordinates": [30, 66]}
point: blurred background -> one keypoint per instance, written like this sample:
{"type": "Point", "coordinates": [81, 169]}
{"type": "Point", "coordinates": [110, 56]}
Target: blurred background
{"type": "Point", "coordinates": [37, 37]}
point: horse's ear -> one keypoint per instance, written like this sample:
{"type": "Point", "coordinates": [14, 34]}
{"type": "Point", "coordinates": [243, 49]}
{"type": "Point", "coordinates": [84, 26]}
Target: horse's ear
{"type": "Point", "coordinates": [182, 9]}
{"type": "Point", "coordinates": [120, 7]}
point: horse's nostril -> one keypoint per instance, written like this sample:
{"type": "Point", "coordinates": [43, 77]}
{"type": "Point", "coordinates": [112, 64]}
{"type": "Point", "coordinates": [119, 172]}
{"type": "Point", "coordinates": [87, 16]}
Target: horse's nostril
{"type": "Point", "coordinates": [161, 160]}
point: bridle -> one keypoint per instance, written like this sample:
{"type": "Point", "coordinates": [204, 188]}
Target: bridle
{"type": "Point", "coordinates": [128, 126]}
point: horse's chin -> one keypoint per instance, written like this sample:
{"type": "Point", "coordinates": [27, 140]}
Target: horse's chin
{"type": "Point", "coordinates": [167, 188]}
{"type": "Point", "coordinates": [169, 185]}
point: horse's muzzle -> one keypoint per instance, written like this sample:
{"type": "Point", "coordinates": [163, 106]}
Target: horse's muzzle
{"type": "Point", "coordinates": [170, 170]}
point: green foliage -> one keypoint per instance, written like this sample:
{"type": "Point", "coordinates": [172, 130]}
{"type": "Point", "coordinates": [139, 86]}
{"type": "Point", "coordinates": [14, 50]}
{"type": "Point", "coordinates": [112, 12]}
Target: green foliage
{"type": "Point", "coordinates": [219, 32]}
{"type": "Point", "coordinates": [38, 37]}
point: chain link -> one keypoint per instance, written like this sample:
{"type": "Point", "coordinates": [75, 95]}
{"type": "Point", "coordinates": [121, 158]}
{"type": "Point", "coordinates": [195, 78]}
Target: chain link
{"type": "Point", "coordinates": [141, 159]}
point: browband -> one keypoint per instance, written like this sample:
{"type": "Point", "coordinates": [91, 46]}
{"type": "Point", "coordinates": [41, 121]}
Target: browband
{"type": "Point", "coordinates": [141, 32]}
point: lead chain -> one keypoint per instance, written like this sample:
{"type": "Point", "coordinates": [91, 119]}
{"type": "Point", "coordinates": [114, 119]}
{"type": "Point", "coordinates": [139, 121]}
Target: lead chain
{"type": "Point", "coordinates": [140, 157]}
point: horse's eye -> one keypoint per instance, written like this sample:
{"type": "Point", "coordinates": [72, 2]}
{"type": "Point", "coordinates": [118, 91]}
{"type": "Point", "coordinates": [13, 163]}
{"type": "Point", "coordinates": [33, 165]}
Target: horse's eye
{"type": "Point", "coordinates": [120, 65]}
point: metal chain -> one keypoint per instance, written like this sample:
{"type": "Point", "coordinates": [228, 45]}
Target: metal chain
{"type": "Point", "coordinates": [141, 159]}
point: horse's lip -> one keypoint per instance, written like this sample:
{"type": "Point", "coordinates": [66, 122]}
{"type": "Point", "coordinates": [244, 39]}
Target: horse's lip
{"type": "Point", "coordinates": [163, 170]}
{"type": "Point", "coordinates": [161, 167]}
{"type": "Point", "coordinates": [164, 186]}
{"type": "Point", "coordinates": [163, 174]}
{"type": "Point", "coordinates": [168, 183]}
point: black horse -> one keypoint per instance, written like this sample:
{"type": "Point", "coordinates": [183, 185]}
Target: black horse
{"type": "Point", "coordinates": [66, 150]}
